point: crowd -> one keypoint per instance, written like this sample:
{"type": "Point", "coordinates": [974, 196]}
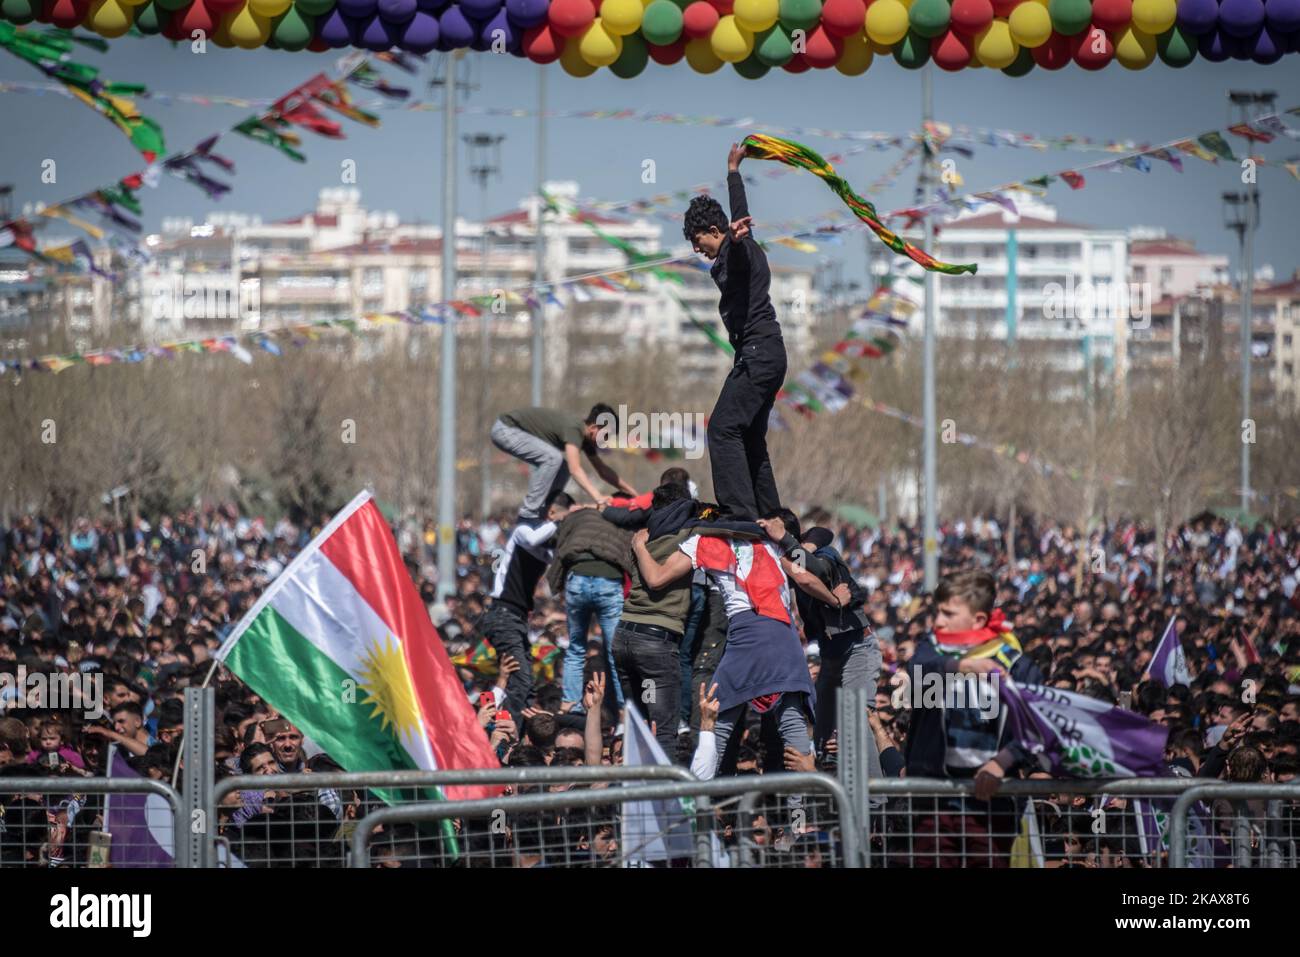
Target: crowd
{"type": "Point", "coordinates": [145, 605]}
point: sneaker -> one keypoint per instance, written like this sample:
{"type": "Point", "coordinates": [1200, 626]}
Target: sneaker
{"type": "Point", "coordinates": [683, 727]}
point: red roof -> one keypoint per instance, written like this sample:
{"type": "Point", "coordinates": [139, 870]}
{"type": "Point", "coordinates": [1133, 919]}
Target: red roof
{"type": "Point", "coordinates": [1164, 247]}
{"type": "Point", "coordinates": [410, 247]}
{"type": "Point", "coordinates": [522, 216]}
{"type": "Point", "coordinates": [327, 220]}
{"type": "Point", "coordinates": [995, 221]}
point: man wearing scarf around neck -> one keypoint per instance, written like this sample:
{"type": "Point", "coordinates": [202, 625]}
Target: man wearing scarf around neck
{"type": "Point", "coordinates": [965, 741]}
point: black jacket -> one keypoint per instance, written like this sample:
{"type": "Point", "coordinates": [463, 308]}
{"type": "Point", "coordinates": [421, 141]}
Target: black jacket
{"type": "Point", "coordinates": [744, 279]}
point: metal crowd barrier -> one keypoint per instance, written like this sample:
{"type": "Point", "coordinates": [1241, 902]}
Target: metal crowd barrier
{"type": "Point", "coordinates": [1221, 824]}
{"type": "Point", "coordinates": [924, 823]}
{"type": "Point", "coordinates": [60, 822]}
{"type": "Point", "coordinates": [306, 820]}
{"type": "Point", "coordinates": [763, 821]}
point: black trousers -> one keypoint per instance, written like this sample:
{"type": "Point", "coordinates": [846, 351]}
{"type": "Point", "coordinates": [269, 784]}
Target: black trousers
{"type": "Point", "coordinates": [508, 634]}
{"type": "Point", "coordinates": [650, 673]}
{"type": "Point", "coordinates": [742, 472]}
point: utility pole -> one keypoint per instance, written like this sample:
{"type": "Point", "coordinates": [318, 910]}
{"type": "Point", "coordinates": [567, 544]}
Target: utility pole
{"type": "Point", "coordinates": [447, 402]}
{"type": "Point", "coordinates": [484, 164]}
{"type": "Point", "coordinates": [539, 244]}
{"type": "Point", "coordinates": [929, 412]}
{"type": "Point", "coordinates": [1241, 213]}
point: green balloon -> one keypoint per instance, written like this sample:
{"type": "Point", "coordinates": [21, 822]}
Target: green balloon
{"type": "Point", "coordinates": [1176, 46]}
{"type": "Point", "coordinates": [751, 68]}
{"type": "Point", "coordinates": [929, 18]}
{"type": "Point", "coordinates": [19, 11]}
{"type": "Point", "coordinates": [150, 18]}
{"type": "Point", "coordinates": [271, 43]}
{"type": "Point", "coordinates": [1070, 17]}
{"type": "Point", "coordinates": [661, 23]}
{"type": "Point", "coordinates": [633, 58]}
{"type": "Point", "coordinates": [293, 31]}
{"type": "Point", "coordinates": [1024, 62]}
{"type": "Point", "coordinates": [772, 47]}
{"type": "Point", "coordinates": [173, 4]}
{"type": "Point", "coordinates": [314, 8]}
{"type": "Point", "coordinates": [913, 51]}
{"type": "Point", "coordinates": [800, 14]}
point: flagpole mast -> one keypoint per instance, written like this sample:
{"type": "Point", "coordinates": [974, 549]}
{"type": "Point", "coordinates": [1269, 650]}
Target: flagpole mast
{"type": "Point", "coordinates": [539, 243]}
{"type": "Point", "coordinates": [930, 531]}
{"type": "Point", "coordinates": [447, 400]}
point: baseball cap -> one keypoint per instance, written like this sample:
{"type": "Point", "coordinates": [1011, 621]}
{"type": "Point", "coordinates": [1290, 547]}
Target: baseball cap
{"type": "Point", "coordinates": [819, 536]}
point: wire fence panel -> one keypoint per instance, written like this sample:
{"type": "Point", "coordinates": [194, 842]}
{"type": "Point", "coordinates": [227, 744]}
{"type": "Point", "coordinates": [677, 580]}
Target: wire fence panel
{"type": "Point", "coordinates": [88, 822]}
{"type": "Point", "coordinates": [307, 820]}
{"type": "Point", "coordinates": [1222, 824]}
{"type": "Point", "coordinates": [786, 820]}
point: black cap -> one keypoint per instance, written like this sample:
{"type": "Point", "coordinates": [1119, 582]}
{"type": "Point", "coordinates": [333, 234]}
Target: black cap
{"type": "Point", "coordinates": [818, 536]}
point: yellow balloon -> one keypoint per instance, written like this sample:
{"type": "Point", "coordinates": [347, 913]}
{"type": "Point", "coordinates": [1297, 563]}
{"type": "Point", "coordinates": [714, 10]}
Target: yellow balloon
{"type": "Point", "coordinates": [756, 15]}
{"type": "Point", "coordinates": [1135, 49]}
{"type": "Point", "coordinates": [598, 46]}
{"type": "Point", "coordinates": [109, 18]}
{"type": "Point", "coordinates": [887, 21]}
{"type": "Point", "coordinates": [268, 8]}
{"type": "Point", "coordinates": [730, 43]}
{"type": "Point", "coordinates": [572, 61]}
{"type": "Point", "coordinates": [248, 31]}
{"type": "Point", "coordinates": [700, 55]}
{"type": "Point", "coordinates": [1154, 16]}
{"type": "Point", "coordinates": [221, 35]}
{"type": "Point", "coordinates": [857, 55]}
{"type": "Point", "coordinates": [995, 47]}
{"type": "Point", "coordinates": [1030, 23]}
{"type": "Point", "coordinates": [621, 17]}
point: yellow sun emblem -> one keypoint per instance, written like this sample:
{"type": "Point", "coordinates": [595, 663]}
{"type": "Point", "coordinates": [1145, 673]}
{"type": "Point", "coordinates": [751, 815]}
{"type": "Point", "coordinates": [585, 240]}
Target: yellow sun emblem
{"type": "Point", "coordinates": [387, 684]}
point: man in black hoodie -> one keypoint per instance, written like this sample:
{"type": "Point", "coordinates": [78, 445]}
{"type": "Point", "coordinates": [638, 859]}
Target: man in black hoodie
{"type": "Point", "coordinates": [743, 483]}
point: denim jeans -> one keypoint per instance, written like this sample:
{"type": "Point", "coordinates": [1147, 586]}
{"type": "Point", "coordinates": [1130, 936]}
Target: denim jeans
{"type": "Point", "coordinates": [648, 670]}
{"type": "Point", "coordinates": [585, 596]}
{"type": "Point", "coordinates": [847, 665]}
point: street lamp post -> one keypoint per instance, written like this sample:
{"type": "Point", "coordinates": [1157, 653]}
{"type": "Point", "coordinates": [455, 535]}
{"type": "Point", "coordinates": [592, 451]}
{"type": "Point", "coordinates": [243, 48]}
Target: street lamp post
{"type": "Point", "coordinates": [930, 546]}
{"type": "Point", "coordinates": [447, 393]}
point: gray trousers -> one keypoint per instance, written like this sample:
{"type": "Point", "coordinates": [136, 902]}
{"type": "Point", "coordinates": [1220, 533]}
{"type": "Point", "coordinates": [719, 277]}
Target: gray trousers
{"type": "Point", "coordinates": [790, 719]}
{"type": "Point", "coordinates": [857, 667]}
{"type": "Point", "coordinates": [549, 470]}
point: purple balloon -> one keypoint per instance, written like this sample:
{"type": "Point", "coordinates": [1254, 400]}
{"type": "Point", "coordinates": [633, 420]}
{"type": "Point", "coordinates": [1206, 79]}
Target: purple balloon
{"type": "Point", "coordinates": [454, 30]}
{"type": "Point", "coordinates": [396, 12]}
{"type": "Point", "coordinates": [498, 27]}
{"type": "Point", "coordinates": [333, 29]}
{"type": "Point", "coordinates": [1241, 18]}
{"type": "Point", "coordinates": [1198, 16]}
{"type": "Point", "coordinates": [1268, 46]}
{"type": "Point", "coordinates": [421, 34]}
{"type": "Point", "coordinates": [529, 13]}
{"type": "Point", "coordinates": [357, 9]}
{"type": "Point", "coordinates": [480, 9]}
{"type": "Point", "coordinates": [432, 6]}
{"type": "Point", "coordinates": [1282, 15]}
{"type": "Point", "coordinates": [1211, 46]}
{"type": "Point", "coordinates": [375, 34]}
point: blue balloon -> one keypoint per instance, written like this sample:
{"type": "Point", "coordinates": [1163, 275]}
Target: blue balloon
{"type": "Point", "coordinates": [1268, 46]}
{"type": "Point", "coordinates": [454, 29]}
{"type": "Point", "coordinates": [421, 34]}
{"type": "Point", "coordinates": [527, 13]}
{"type": "Point", "coordinates": [334, 30]}
{"type": "Point", "coordinates": [357, 9]}
{"type": "Point", "coordinates": [1198, 17]}
{"type": "Point", "coordinates": [397, 11]}
{"type": "Point", "coordinates": [499, 34]}
{"type": "Point", "coordinates": [1282, 15]}
{"type": "Point", "coordinates": [378, 36]}
{"type": "Point", "coordinates": [480, 9]}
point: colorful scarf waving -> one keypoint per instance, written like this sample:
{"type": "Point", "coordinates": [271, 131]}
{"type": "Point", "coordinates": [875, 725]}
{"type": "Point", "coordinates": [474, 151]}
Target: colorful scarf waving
{"type": "Point", "coordinates": [760, 146]}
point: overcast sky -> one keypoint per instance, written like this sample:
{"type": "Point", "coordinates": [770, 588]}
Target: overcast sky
{"type": "Point", "coordinates": [398, 164]}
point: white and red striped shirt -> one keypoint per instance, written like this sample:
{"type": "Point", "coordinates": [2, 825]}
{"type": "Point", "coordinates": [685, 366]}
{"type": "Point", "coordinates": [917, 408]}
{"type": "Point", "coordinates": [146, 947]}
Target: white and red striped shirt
{"type": "Point", "coordinates": [747, 574]}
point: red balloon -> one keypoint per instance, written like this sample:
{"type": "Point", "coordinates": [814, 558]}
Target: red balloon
{"type": "Point", "coordinates": [823, 50]}
{"type": "Point", "coordinates": [670, 54]}
{"type": "Point", "coordinates": [699, 19]}
{"type": "Point", "coordinates": [1093, 49]}
{"type": "Point", "coordinates": [196, 16]}
{"type": "Point", "coordinates": [797, 64]}
{"type": "Point", "coordinates": [724, 7]}
{"type": "Point", "coordinates": [172, 29]}
{"type": "Point", "coordinates": [843, 18]}
{"type": "Point", "coordinates": [951, 50]}
{"type": "Point", "coordinates": [569, 18]}
{"type": "Point", "coordinates": [1003, 8]}
{"type": "Point", "coordinates": [971, 16]}
{"type": "Point", "coordinates": [1053, 54]}
{"type": "Point", "coordinates": [317, 45]}
{"type": "Point", "coordinates": [65, 13]}
{"type": "Point", "coordinates": [1112, 14]}
{"type": "Point", "coordinates": [542, 44]}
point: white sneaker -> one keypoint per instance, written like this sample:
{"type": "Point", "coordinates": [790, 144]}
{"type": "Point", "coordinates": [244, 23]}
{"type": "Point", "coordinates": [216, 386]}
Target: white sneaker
{"type": "Point", "coordinates": [683, 727]}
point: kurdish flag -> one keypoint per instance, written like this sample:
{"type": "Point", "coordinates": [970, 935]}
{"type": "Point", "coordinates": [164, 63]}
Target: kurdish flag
{"type": "Point", "coordinates": [342, 645]}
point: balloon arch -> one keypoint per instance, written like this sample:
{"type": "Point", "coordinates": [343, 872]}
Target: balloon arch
{"type": "Point", "coordinates": [754, 36]}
